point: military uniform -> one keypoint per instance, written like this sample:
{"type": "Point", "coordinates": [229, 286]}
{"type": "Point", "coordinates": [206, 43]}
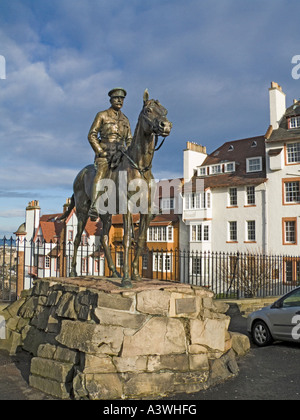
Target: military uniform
{"type": "Point", "coordinates": [109, 133]}
{"type": "Point", "coordinates": [114, 130]}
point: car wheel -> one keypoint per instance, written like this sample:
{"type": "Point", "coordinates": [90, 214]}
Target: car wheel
{"type": "Point", "coordinates": [261, 334]}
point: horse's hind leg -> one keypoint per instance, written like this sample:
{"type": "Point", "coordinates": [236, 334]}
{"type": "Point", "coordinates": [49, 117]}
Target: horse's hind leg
{"type": "Point", "coordinates": [126, 282]}
{"type": "Point", "coordinates": [82, 219]}
{"type": "Point", "coordinates": [104, 239]}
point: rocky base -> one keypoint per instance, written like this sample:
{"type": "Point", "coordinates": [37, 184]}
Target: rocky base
{"type": "Point", "coordinates": [92, 340]}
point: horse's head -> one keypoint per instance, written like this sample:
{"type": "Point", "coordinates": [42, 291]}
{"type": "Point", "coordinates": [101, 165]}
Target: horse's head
{"type": "Point", "coordinates": [154, 117]}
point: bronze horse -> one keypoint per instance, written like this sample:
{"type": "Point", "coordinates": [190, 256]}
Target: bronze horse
{"type": "Point", "coordinates": [136, 165]}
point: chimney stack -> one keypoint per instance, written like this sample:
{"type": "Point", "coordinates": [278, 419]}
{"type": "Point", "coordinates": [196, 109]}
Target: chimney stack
{"type": "Point", "coordinates": [193, 156]}
{"type": "Point", "coordinates": [277, 104]}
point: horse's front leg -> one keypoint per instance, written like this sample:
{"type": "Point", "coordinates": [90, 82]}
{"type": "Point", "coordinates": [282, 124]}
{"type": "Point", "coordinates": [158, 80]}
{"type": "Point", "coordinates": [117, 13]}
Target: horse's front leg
{"type": "Point", "coordinates": [104, 239]}
{"type": "Point", "coordinates": [82, 219]}
{"type": "Point", "coordinates": [126, 281]}
{"type": "Point", "coordinates": [145, 220]}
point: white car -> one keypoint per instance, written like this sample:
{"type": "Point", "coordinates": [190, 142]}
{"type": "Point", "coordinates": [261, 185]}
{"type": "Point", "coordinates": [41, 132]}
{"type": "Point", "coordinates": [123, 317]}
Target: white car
{"type": "Point", "coordinates": [280, 321]}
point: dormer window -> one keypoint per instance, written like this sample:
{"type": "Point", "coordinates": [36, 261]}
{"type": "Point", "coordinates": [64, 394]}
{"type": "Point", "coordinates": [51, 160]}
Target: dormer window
{"type": "Point", "coordinates": [294, 122]}
{"type": "Point", "coordinates": [230, 167]}
{"type": "Point", "coordinates": [254, 164]}
{"type": "Point", "coordinates": [215, 169]}
{"type": "Point", "coordinates": [202, 171]}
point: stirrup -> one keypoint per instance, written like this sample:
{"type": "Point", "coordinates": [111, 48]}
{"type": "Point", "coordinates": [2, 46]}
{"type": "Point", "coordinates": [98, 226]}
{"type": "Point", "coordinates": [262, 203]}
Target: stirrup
{"type": "Point", "coordinates": [93, 214]}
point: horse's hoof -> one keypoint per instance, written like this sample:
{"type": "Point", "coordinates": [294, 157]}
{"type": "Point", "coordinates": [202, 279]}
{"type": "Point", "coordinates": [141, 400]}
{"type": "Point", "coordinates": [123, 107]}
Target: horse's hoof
{"type": "Point", "coordinates": [73, 274]}
{"type": "Point", "coordinates": [126, 283]}
{"type": "Point", "coordinates": [116, 275]}
{"type": "Point", "coordinates": [136, 277]}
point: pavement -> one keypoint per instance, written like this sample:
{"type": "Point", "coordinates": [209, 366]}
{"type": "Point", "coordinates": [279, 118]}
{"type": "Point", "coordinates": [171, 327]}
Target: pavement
{"type": "Point", "coordinates": [270, 373]}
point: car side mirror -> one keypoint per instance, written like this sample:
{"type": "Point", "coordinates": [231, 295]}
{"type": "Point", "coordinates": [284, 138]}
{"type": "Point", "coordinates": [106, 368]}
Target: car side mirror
{"type": "Point", "coordinates": [277, 304]}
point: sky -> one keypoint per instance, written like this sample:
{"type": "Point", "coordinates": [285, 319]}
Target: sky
{"type": "Point", "coordinates": [209, 62]}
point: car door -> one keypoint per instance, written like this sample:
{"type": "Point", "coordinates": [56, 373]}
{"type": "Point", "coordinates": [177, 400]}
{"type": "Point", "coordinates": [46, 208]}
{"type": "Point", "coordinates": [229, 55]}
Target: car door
{"type": "Point", "coordinates": [284, 320]}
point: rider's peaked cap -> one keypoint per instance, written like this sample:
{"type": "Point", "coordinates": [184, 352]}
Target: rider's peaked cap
{"type": "Point", "coordinates": [117, 92]}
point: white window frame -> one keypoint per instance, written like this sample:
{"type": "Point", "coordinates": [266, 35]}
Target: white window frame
{"type": "Point", "coordinates": [293, 153]}
{"type": "Point", "coordinates": [167, 204]}
{"type": "Point", "coordinates": [288, 232]}
{"type": "Point", "coordinates": [232, 194]}
{"type": "Point", "coordinates": [250, 232]}
{"type": "Point", "coordinates": [229, 170]}
{"type": "Point", "coordinates": [292, 194]}
{"type": "Point", "coordinates": [257, 167]}
{"type": "Point", "coordinates": [119, 259]}
{"type": "Point", "coordinates": [160, 234]}
{"type": "Point", "coordinates": [199, 232]}
{"type": "Point", "coordinates": [202, 171]}
{"type": "Point", "coordinates": [250, 195]}
{"type": "Point", "coordinates": [232, 232]}
{"type": "Point", "coordinates": [215, 169]}
{"type": "Point", "coordinates": [162, 262]}
{"type": "Point", "coordinates": [294, 122]}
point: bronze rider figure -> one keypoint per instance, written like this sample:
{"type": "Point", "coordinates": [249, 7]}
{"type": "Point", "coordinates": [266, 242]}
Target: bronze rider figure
{"type": "Point", "coordinates": [109, 135]}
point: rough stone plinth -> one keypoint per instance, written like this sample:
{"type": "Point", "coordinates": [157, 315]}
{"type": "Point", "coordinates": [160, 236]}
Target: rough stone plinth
{"type": "Point", "coordinates": [92, 339]}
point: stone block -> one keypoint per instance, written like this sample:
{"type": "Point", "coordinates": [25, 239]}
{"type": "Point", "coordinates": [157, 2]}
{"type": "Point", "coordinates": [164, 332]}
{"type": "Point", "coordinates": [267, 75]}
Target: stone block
{"type": "Point", "coordinates": [51, 387]}
{"type": "Point", "coordinates": [198, 362]}
{"type": "Point", "coordinates": [240, 343]}
{"type": "Point", "coordinates": [65, 307]}
{"type": "Point", "coordinates": [113, 301]}
{"type": "Point", "coordinates": [66, 355]}
{"type": "Point", "coordinates": [130, 364]}
{"type": "Point", "coordinates": [53, 297]}
{"type": "Point", "coordinates": [220, 307]}
{"type": "Point", "coordinates": [103, 386]}
{"type": "Point", "coordinates": [189, 382]}
{"type": "Point", "coordinates": [28, 309]}
{"type": "Point", "coordinates": [160, 335]}
{"type": "Point", "coordinates": [46, 351]}
{"type": "Point", "coordinates": [173, 362]}
{"type": "Point", "coordinates": [149, 385]}
{"type": "Point", "coordinates": [91, 338]}
{"type": "Point", "coordinates": [13, 309]}
{"type": "Point", "coordinates": [41, 317]}
{"type": "Point", "coordinates": [155, 302]}
{"type": "Point", "coordinates": [210, 332]}
{"type": "Point", "coordinates": [98, 364]}
{"type": "Point", "coordinates": [223, 368]}
{"type": "Point", "coordinates": [108, 316]}
{"type": "Point", "coordinates": [41, 287]}
{"type": "Point", "coordinates": [51, 369]}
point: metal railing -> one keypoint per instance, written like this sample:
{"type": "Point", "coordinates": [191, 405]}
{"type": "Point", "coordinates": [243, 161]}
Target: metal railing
{"type": "Point", "coordinates": [228, 275]}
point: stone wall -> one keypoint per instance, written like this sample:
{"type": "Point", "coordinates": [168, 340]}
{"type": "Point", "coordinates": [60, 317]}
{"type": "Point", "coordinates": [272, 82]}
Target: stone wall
{"type": "Point", "coordinates": [92, 340]}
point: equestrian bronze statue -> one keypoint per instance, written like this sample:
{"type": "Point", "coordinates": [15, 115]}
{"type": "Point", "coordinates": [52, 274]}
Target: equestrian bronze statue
{"type": "Point", "coordinates": [126, 188]}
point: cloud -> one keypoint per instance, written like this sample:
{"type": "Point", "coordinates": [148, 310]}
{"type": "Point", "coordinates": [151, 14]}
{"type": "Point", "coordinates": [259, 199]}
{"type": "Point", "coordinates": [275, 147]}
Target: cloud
{"type": "Point", "coordinates": [209, 63]}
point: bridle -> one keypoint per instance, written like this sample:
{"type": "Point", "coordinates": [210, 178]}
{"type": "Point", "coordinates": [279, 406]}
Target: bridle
{"type": "Point", "coordinates": [134, 164]}
{"type": "Point", "coordinates": [147, 168]}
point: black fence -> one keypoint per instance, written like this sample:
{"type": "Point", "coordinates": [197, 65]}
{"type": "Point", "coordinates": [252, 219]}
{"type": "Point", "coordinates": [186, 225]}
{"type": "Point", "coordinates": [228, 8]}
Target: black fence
{"type": "Point", "coordinates": [228, 275]}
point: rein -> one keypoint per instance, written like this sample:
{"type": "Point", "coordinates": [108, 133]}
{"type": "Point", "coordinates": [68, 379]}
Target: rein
{"type": "Point", "coordinates": [135, 165]}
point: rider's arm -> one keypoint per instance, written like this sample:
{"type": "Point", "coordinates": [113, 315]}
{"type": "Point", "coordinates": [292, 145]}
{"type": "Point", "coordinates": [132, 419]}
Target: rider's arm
{"type": "Point", "coordinates": [93, 135]}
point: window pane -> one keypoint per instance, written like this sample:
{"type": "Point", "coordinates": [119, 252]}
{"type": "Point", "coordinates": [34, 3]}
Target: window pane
{"type": "Point", "coordinates": [292, 192]}
{"type": "Point", "coordinates": [232, 231]}
{"type": "Point", "coordinates": [233, 196]}
{"type": "Point", "coordinates": [290, 232]}
{"type": "Point", "coordinates": [251, 230]}
{"type": "Point", "coordinates": [251, 195]}
{"type": "Point", "coordinates": [293, 152]}
{"type": "Point", "coordinates": [254, 164]}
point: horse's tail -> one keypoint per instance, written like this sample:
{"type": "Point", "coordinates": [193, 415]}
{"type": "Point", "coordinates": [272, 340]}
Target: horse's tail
{"type": "Point", "coordinates": [69, 209]}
